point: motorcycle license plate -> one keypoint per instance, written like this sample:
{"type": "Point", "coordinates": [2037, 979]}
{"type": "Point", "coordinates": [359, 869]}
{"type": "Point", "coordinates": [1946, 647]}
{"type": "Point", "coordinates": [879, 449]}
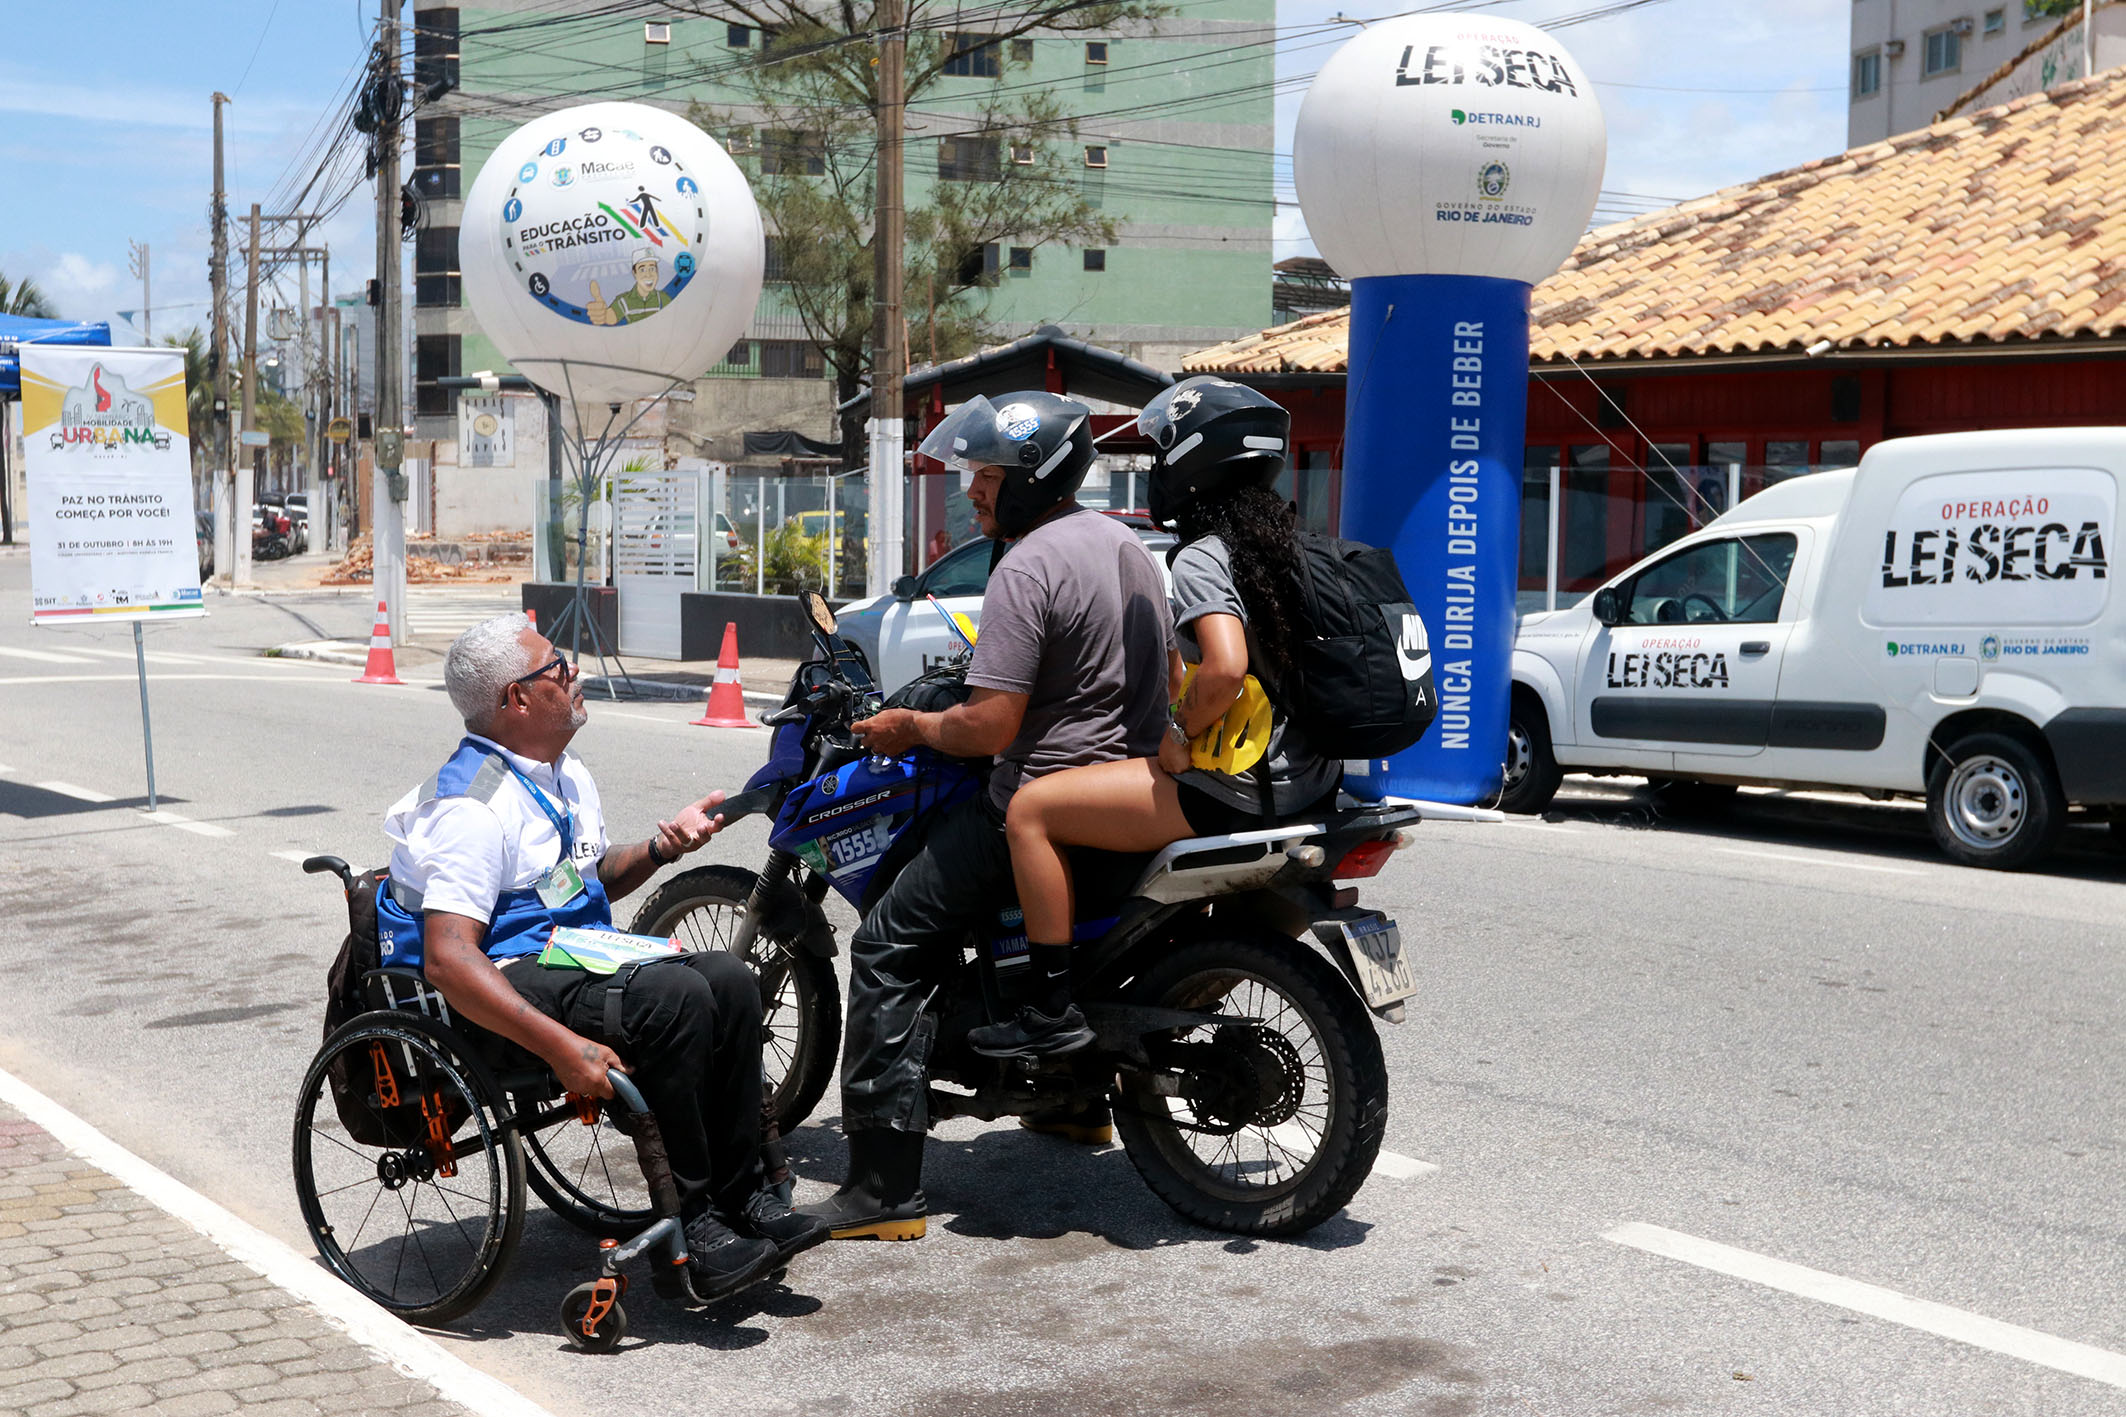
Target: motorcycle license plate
{"type": "Point", "coordinates": [1375, 946]}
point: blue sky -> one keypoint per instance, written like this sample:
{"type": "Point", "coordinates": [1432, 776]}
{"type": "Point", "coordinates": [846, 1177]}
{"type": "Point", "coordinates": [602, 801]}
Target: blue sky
{"type": "Point", "coordinates": [111, 141]}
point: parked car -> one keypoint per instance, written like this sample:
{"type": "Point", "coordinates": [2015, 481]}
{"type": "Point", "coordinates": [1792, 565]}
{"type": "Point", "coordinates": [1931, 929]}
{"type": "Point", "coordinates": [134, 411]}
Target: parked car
{"type": "Point", "coordinates": [901, 635]}
{"type": "Point", "coordinates": [203, 527]}
{"type": "Point", "coordinates": [1937, 622]}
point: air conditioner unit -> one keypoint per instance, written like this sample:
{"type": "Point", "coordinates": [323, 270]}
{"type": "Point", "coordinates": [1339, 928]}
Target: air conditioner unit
{"type": "Point", "coordinates": [656, 32]}
{"type": "Point", "coordinates": [1962, 26]}
{"type": "Point", "coordinates": [1893, 48]}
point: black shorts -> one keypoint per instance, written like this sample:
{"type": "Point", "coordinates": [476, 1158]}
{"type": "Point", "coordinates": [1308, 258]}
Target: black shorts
{"type": "Point", "coordinates": [1210, 815]}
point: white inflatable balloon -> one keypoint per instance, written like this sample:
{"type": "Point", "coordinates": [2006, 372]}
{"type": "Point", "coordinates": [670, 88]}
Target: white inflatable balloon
{"type": "Point", "coordinates": [1449, 145]}
{"type": "Point", "coordinates": [609, 250]}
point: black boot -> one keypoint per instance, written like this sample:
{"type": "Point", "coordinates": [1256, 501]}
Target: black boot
{"type": "Point", "coordinates": [883, 1198]}
{"type": "Point", "coordinates": [1091, 1125]}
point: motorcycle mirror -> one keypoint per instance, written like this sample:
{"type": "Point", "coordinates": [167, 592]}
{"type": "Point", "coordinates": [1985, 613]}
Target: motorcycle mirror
{"type": "Point", "coordinates": [818, 612]}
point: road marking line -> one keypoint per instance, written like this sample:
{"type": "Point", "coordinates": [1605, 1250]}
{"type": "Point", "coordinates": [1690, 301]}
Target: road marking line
{"type": "Point", "coordinates": [155, 656]}
{"type": "Point", "coordinates": [164, 817]}
{"type": "Point", "coordinates": [5, 768]}
{"type": "Point", "coordinates": [298, 857]}
{"type": "Point", "coordinates": [1398, 1167]}
{"type": "Point", "coordinates": [407, 1350]}
{"type": "Point", "coordinates": [1542, 827]}
{"type": "Point", "coordinates": [2081, 1359]}
{"type": "Point", "coordinates": [42, 656]}
{"type": "Point", "coordinates": [83, 794]}
{"type": "Point", "coordinates": [276, 677]}
{"type": "Point", "coordinates": [1818, 861]}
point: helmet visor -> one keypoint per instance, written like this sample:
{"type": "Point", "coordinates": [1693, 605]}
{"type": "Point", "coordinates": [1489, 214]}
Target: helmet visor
{"type": "Point", "coordinates": [970, 439]}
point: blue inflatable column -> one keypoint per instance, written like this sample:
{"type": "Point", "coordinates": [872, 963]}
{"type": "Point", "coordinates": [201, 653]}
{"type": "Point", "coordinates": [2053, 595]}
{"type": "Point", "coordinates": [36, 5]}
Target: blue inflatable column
{"type": "Point", "coordinates": [1434, 425]}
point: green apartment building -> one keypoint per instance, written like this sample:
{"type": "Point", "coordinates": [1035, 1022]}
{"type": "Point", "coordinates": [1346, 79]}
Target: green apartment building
{"type": "Point", "coordinates": [1173, 143]}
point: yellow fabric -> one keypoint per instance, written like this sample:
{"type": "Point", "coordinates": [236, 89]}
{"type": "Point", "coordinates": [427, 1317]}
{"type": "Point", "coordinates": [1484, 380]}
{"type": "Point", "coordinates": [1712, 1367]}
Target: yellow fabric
{"type": "Point", "coordinates": [1236, 742]}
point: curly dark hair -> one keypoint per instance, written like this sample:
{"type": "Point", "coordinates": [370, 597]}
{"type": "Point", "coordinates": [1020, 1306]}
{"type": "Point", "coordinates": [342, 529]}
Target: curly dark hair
{"type": "Point", "coordinates": [1257, 527]}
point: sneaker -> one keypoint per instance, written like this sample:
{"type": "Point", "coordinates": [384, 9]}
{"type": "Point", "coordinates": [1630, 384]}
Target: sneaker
{"type": "Point", "coordinates": [769, 1217]}
{"type": "Point", "coordinates": [1089, 1126]}
{"type": "Point", "coordinates": [1033, 1034]}
{"type": "Point", "coordinates": [720, 1261]}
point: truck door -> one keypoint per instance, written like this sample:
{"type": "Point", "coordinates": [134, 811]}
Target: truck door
{"type": "Point", "coordinates": [1691, 668]}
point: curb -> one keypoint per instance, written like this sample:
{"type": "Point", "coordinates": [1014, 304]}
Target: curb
{"type": "Point", "coordinates": [324, 651]}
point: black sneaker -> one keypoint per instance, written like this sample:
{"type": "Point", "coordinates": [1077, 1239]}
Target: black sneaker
{"type": "Point", "coordinates": [769, 1217]}
{"type": "Point", "coordinates": [721, 1262]}
{"type": "Point", "coordinates": [1033, 1034]}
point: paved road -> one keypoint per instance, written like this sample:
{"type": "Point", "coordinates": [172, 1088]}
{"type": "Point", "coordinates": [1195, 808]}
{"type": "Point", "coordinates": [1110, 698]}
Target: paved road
{"type": "Point", "coordinates": [1798, 1035]}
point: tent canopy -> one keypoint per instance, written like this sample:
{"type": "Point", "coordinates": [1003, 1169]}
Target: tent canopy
{"type": "Point", "coordinates": [17, 330]}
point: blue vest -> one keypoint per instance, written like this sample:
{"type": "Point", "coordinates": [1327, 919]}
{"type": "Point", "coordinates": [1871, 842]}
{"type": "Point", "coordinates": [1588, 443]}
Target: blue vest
{"type": "Point", "coordinates": [521, 921]}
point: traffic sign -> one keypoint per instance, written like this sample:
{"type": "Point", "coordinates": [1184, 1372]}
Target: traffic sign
{"type": "Point", "coordinates": [255, 438]}
{"type": "Point", "coordinates": [339, 430]}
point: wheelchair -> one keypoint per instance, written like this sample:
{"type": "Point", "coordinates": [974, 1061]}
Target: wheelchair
{"type": "Point", "coordinates": [416, 1134]}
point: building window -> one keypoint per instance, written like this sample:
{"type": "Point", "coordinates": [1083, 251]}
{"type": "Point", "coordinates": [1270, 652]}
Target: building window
{"type": "Point", "coordinates": [973, 56]}
{"type": "Point", "coordinates": [1867, 73]}
{"type": "Point", "coordinates": [1022, 259]}
{"type": "Point", "coordinates": [1096, 154]}
{"type": "Point", "coordinates": [774, 269]}
{"type": "Point", "coordinates": [1096, 51]}
{"type": "Point", "coordinates": [435, 157]}
{"type": "Point", "coordinates": [739, 142]}
{"type": "Point", "coordinates": [1096, 260]}
{"type": "Point", "coordinates": [741, 355]}
{"type": "Point", "coordinates": [435, 267]}
{"type": "Point", "coordinates": [656, 32]}
{"type": "Point", "coordinates": [790, 359]}
{"type": "Point", "coordinates": [978, 266]}
{"type": "Point", "coordinates": [1945, 53]}
{"type": "Point", "coordinates": [435, 51]}
{"type": "Point", "coordinates": [1022, 51]}
{"type": "Point", "coordinates": [1996, 21]}
{"type": "Point", "coordinates": [791, 152]}
{"type": "Point", "coordinates": [1022, 154]}
{"type": "Point", "coordinates": [969, 159]}
{"type": "Point", "coordinates": [435, 357]}
{"type": "Point", "coordinates": [738, 36]}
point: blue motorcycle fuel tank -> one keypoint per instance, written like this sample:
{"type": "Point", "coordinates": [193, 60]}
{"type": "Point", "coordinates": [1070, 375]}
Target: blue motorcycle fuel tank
{"type": "Point", "coordinates": [842, 823]}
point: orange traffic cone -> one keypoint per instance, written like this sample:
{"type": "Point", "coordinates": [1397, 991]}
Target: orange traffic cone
{"type": "Point", "coordinates": [726, 707]}
{"type": "Point", "coordinates": [380, 669]}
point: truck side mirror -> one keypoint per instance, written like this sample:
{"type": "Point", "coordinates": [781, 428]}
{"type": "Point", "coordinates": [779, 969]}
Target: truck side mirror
{"type": "Point", "coordinates": [1606, 608]}
{"type": "Point", "coordinates": [904, 588]}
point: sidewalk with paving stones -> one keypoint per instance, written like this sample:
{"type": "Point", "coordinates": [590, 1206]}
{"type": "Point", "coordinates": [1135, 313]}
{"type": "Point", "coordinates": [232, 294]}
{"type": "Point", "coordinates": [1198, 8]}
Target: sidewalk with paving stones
{"type": "Point", "coordinates": [108, 1304]}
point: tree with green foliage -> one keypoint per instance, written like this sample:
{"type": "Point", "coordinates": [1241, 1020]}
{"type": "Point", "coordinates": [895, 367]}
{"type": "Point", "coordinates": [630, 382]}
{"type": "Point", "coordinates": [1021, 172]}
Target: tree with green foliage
{"type": "Point", "coordinates": [1007, 172]}
{"type": "Point", "coordinates": [22, 297]}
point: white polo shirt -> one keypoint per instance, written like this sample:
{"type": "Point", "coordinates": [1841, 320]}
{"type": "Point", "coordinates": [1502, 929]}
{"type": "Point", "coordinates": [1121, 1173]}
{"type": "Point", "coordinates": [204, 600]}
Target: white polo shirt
{"type": "Point", "coordinates": [461, 853]}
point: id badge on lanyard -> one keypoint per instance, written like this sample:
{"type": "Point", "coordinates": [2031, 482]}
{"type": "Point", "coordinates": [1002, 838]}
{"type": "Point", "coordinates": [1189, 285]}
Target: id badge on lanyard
{"type": "Point", "coordinates": [561, 885]}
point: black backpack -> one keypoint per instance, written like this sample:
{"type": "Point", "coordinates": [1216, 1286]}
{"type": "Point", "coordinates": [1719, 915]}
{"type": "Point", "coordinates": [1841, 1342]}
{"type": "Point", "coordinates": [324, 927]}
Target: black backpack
{"type": "Point", "coordinates": [1360, 685]}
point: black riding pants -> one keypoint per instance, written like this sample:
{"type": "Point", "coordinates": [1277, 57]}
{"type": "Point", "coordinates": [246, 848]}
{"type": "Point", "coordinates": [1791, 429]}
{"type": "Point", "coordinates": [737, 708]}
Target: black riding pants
{"type": "Point", "coordinates": [909, 942]}
{"type": "Point", "coordinates": [690, 1036]}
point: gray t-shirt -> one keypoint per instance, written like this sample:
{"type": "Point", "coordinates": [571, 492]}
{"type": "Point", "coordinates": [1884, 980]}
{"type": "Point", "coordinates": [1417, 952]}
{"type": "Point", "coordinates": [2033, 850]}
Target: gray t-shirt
{"type": "Point", "coordinates": [1299, 776]}
{"type": "Point", "coordinates": [1075, 619]}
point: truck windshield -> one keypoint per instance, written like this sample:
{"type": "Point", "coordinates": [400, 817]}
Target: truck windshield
{"type": "Point", "coordinates": [1737, 581]}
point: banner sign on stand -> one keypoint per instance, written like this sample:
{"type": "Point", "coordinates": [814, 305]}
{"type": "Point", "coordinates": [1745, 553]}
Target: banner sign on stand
{"type": "Point", "coordinates": [484, 432]}
{"type": "Point", "coordinates": [108, 456]}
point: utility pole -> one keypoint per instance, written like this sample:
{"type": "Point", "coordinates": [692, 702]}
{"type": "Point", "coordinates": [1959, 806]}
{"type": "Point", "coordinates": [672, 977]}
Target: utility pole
{"type": "Point", "coordinates": [388, 491]}
{"type": "Point", "coordinates": [139, 253]}
{"type": "Point", "coordinates": [889, 353]}
{"type": "Point", "coordinates": [220, 471]}
{"type": "Point", "coordinates": [247, 464]}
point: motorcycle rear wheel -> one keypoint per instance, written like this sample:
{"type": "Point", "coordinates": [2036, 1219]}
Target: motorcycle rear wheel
{"type": "Point", "coordinates": [801, 1020]}
{"type": "Point", "coordinates": [1291, 1110]}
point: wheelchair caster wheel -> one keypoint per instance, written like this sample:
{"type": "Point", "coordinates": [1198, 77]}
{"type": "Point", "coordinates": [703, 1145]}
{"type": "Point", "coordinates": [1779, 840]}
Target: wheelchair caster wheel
{"type": "Point", "coordinates": [604, 1332]}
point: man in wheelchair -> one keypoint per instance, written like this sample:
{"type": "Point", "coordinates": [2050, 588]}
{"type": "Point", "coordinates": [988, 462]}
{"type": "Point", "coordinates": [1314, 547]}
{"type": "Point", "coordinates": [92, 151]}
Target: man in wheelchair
{"type": "Point", "coordinates": [506, 842]}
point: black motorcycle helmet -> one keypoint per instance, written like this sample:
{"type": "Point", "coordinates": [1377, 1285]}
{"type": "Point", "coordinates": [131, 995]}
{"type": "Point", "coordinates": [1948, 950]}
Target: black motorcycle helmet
{"type": "Point", "coordinates": [1214, 437]}
{"type": "Point", "coordinates": [1043, 442]}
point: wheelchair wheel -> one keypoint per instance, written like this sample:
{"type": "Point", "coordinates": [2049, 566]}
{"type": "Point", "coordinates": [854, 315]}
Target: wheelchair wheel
{"type": "Point", "coordinates": [587, 1175]}
{"type": "Point", "coordinates": [412, 1189]}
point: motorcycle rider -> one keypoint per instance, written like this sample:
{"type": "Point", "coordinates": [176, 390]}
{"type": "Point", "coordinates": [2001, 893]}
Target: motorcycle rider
{"type": "Point", "coordinates": [1070, 667]}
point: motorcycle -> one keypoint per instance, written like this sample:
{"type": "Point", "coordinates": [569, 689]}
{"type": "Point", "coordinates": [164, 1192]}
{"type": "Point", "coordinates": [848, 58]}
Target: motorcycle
{"type": "Point", "coordinates": [1241, 1065]}
{"type": "Point", "coordinates": [271, 536]}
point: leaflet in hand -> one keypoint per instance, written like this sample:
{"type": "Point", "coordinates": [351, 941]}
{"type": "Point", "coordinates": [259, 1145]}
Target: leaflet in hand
{"type": "Point", "coordinates": [603, 951]}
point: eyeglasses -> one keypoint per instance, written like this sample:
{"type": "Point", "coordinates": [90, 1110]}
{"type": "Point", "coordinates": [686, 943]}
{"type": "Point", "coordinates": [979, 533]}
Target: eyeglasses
{"type": "Point", "coordinates": [567, 675]}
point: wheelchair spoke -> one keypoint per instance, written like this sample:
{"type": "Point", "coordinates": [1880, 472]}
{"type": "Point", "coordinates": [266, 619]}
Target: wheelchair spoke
{"type": "Point", "coordinates": [413, 1233]}
{"type": "Point", "coordinates": [440, 1193]}
{"type": "Point", "coordinates": [356, 1239]}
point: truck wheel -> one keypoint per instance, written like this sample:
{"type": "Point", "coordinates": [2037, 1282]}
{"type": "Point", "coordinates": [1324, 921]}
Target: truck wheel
{"type": "Point", "coordinates": [1532, 772]}
{"type": "Point", "coordinates": [1994, 802]}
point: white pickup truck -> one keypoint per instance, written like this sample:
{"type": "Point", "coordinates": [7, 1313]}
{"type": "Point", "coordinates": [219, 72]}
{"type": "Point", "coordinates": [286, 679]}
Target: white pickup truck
{"type": "Point", "coordinates": [1936, 622]}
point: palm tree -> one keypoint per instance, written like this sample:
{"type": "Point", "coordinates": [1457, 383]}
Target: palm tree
{"type": "Point", "coordinates": [22, 297]}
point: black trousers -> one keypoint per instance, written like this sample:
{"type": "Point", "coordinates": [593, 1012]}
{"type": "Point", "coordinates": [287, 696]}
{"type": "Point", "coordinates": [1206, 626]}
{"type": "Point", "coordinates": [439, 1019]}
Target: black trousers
{"type": "Point", "coordinates": [909, 942]}
{"type": "Point", "coordinates": [690, 1035]}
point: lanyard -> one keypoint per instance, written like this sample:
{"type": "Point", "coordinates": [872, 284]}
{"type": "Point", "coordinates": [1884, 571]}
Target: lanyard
{"type": "Point", "coordinates": [564, 826]}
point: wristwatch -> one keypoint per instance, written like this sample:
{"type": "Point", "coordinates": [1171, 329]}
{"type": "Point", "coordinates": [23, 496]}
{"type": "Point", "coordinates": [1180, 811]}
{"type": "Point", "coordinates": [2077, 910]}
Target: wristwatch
{"type": "Point", "coordinates": [657, 856]}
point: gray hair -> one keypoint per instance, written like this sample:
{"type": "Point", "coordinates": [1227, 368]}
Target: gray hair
{"type": "Point", "coordinates": [482, 662]}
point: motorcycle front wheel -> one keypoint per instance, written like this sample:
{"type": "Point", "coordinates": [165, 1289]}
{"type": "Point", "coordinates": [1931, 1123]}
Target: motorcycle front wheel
{"type": "Point", "coordinates": [1257, 1128]}
{"type": "Point", "coordinates": [801, 1000]}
